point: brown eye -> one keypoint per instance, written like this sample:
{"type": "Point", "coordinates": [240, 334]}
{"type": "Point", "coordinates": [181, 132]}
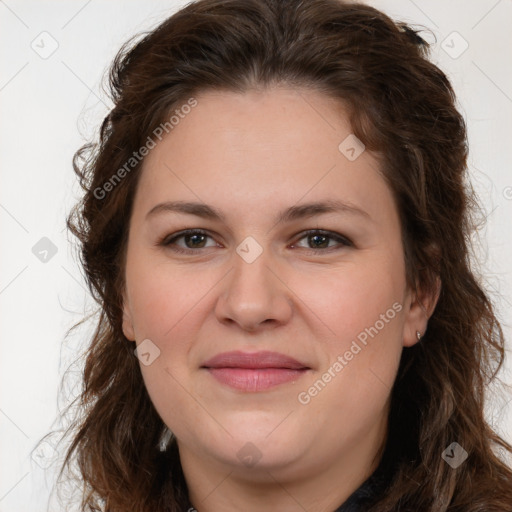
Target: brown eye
{"type": "Point", "coordinates": [193, 239]}
{"type": "Point", "coordinates": [319, 240]}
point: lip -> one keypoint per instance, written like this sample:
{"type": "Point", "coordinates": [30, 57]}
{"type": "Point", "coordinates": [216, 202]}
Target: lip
{"type": "Point", "coordinates": [253, 360]}
{"type": "Point", "coordinates": [254, 371]}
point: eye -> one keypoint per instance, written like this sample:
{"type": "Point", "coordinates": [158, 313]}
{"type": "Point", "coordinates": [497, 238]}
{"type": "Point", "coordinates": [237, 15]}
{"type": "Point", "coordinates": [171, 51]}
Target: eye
{"type": "Point", "coordinates": [320, 240]}
{"type": "Point", "coordinates": [193, 238]}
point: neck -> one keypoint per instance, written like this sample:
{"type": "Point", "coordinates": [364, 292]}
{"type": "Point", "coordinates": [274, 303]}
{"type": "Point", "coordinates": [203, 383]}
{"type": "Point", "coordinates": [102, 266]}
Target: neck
{"type": "Point", "coordinates": [302, 485]}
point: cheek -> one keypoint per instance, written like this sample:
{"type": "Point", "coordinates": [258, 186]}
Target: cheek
{"type": "Point", "coordinates": [362, 308]}
{"type": "Point", "coordinates": [352, 299]}
{"type": "Point", "coordinates": [165, 308]}
{"type": "Point", "coordinates": [166, 302]}
{"type": "Point", "coordinates": [161, 295]}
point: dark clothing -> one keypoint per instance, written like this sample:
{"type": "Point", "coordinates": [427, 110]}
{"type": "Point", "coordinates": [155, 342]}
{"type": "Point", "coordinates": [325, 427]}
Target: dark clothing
{"type": "Point", "coordinates": [369, 489]}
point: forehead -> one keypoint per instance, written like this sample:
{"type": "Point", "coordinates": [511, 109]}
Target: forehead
{"type": "Point", "coordinates": [258, 147]}
{"type": "Point", "coordinates": [277, 119]}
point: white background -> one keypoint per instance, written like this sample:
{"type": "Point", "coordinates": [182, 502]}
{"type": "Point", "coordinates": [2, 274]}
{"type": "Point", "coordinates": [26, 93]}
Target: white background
{"type": "Point", "coordinates": [50, 106]}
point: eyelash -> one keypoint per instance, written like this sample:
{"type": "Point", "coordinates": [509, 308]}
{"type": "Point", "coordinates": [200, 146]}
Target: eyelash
{"type": "Point", "coordinates": [168, 240]}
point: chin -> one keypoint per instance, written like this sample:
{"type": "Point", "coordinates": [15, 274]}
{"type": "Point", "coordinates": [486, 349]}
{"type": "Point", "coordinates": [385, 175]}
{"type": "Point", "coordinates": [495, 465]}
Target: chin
{"type": "Point", "coordinates": [266, 445]}
{"type": "Point", "coordinates": [256, 460]}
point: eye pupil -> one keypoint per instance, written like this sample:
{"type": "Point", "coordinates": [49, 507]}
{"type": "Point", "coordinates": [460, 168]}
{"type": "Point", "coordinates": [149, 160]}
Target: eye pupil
{"type": "Point", "coordinates": [319, 236]}
{"type": "Point", "coordinates": [194, 236]}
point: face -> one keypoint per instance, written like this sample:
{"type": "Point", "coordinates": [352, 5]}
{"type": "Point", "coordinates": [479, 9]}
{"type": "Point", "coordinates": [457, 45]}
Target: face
{"type": "Point", "coordinates": [311, 302]}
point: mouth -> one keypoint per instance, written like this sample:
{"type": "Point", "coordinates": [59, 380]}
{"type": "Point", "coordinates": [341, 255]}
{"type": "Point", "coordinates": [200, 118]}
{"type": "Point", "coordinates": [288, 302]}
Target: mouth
{"type": "Point", "coordinates": [257, 371]}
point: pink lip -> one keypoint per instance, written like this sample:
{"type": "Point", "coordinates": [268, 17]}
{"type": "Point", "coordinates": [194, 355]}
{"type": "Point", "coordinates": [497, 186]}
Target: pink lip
{"type": "Point", "coordinates": [255, 371]}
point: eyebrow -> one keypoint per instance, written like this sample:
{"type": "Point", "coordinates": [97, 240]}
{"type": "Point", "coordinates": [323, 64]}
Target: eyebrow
{"type": "Point", "coordinates": [292, 213]}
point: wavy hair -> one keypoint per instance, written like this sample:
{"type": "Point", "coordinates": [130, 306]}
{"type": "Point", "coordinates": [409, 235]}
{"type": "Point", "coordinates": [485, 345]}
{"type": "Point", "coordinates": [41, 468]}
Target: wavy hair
{"type": "Point", "coordinates": [404, 109]}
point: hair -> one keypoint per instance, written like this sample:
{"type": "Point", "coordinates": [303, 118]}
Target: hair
{"type": "Point", "coordinates": [403, 108]}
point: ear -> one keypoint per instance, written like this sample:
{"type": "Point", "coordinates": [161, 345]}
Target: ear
{"type": "Point", "coordinates": [421, 305]}
{"type": "Point", "coordinates": [128, 329]}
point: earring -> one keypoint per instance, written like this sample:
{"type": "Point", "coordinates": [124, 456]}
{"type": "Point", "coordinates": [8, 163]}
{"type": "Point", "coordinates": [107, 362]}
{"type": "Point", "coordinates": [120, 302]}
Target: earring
{"type": "Point", "coordinates": [418, 335]}
{"type": "Point", "coordinates": [165, 438]}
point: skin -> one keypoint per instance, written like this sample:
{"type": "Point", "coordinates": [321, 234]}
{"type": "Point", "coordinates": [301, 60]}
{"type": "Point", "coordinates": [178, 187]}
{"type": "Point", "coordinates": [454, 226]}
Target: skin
{"type": "Point", "coordinates": [251, 156]}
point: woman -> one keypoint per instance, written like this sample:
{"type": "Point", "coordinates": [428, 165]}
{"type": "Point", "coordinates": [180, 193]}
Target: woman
{"type": "Point", "coordinates": [275, 225]}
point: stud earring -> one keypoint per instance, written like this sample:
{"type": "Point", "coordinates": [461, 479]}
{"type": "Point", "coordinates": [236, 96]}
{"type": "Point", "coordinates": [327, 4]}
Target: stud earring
{"type": "Point", "coordinates": [418, 335]}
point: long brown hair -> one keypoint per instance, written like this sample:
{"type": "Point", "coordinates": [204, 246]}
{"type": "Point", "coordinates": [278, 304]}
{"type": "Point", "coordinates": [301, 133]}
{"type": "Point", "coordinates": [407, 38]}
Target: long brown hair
{"type": "Point", "coordinates": [403, 108]}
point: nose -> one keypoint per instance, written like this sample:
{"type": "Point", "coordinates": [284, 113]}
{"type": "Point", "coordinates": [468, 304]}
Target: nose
{"type": "Point", "coordinates": [254, 295]}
